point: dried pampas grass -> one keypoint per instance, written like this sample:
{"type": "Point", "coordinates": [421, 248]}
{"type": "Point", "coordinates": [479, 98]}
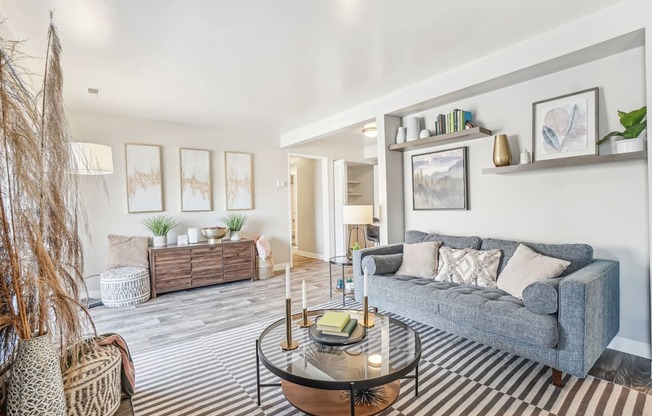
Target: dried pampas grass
{"type": "Point", "coordinates": [41, 259]}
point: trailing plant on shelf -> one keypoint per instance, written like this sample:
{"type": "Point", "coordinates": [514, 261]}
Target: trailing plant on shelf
{"type": "Point", "coordinates": [160, 225]}
{"type": "Point", "coordinates": [41, 255]}
{"type": "Point", "coordinates": [633, 122]}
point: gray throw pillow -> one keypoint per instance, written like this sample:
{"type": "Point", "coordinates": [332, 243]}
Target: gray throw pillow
{"type": "Point", "coordinates": [382, 264]}
{"type": "Point", "coordinates": [526, 267]}
{"type": "Point", "coordinates": [542, 297]}
{"type": "Point", "coordinates": [127, 251]}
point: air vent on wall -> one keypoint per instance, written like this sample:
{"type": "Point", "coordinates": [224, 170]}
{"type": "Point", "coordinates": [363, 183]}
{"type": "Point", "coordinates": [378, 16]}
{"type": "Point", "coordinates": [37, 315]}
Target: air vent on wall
{"type": "Point", "coordinates": [93, 91]}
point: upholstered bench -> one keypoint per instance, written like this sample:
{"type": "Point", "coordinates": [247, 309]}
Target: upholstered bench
{"type": "Point", "coordinates": [125, 286]}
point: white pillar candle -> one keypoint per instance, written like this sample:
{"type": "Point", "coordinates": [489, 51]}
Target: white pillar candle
{"type": "Point", "coordinates": [364, 292]}
{"type": "Point", "coordinates": [287, 282]}
{"type": "Point", "coordinates": [303, 294]}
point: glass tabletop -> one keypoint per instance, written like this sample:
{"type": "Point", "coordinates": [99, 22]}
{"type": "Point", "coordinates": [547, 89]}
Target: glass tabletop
{"type": "Point", "coordinates": [341, 260]}
{"type": "Point", "coordinates": [390, 350]}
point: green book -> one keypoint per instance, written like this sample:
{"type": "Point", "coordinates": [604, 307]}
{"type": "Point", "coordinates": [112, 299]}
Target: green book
{"type": "Point", "coordinates": [346, 331]}
{"type": "Point", "coordinates": [333, 321]}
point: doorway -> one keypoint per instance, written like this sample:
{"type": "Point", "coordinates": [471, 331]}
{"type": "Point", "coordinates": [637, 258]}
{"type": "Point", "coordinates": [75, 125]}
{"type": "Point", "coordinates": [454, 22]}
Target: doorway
{"type": "Point", "coordinates": [309, 206]}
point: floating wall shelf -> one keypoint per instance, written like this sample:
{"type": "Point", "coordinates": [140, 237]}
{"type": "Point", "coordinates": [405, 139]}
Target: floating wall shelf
{"type": "Point", "coordinates": [441, 139]}
{"type": "Point", "coordinates": [567, 161]}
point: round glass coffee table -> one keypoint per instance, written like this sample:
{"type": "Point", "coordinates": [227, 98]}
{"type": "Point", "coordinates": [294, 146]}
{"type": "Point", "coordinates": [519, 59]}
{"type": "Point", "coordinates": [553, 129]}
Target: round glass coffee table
{"type": "Point", "coordinates": [360, 379]}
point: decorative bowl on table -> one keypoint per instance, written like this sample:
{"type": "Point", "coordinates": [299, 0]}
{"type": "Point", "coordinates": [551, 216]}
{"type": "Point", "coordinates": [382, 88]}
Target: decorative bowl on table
{"type": "Point", "coordinates": [214, 234]}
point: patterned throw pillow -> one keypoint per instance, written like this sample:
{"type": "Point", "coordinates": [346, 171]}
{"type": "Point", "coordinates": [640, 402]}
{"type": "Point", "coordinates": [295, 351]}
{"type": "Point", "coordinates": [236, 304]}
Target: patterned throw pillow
{"type": "Point", "coordinates": [468, 266]}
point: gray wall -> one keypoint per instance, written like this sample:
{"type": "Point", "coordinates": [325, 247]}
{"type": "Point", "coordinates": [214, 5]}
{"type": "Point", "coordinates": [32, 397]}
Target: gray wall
{"type": "Point", "coordinates": [604, 205]}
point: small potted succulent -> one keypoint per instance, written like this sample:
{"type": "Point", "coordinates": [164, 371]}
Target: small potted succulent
{"type": "Point", "coordinates": [234, 221]}
{"type": "Point", "coordinates": [632, 138]}
{"type": "Point", "coordinates": [160, 226]}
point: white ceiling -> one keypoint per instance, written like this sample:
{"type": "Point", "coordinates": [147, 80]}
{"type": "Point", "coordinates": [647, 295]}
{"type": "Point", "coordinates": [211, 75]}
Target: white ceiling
{"type": "Point", "coordinates": [267, 66]}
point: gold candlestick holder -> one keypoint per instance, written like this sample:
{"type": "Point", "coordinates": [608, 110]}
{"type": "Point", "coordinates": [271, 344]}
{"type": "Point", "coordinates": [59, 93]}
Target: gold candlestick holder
{"type": "Point", "coordinates": [367, 318]}
{"type": "Point", "coordinates": [305, 322]}
{"type": "Point", "coordinates": [288, 344]}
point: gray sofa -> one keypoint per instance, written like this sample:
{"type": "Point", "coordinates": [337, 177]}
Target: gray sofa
{"type": "Point", "coordinates": [564, 323]}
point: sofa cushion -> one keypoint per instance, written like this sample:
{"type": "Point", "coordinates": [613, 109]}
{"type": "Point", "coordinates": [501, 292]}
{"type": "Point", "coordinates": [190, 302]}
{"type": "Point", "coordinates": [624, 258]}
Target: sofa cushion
{"type": "Point", "coordinates": [526, 267]}
{"type": "Point", "coordinates": [579, 255]}
{"type": "Point", "coordinates": [382, 264]}
{"type": "Point", "coordinates": [543, 296]}
{"type": "Point", "coordinates": [414, 236]}
{"type": "Point", "coordinates": [468, 266]}
{"type": "Point", "coordinates": [485, 309]}
{"type": "Point", "coordinates": [420, 259]}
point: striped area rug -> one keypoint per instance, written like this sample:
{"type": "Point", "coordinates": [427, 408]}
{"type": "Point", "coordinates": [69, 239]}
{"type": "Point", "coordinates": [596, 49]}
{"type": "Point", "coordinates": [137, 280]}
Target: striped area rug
{"type": "Point", "coordinates": [216, 375]}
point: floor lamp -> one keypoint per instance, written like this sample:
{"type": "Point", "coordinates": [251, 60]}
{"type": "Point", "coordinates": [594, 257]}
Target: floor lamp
{"type": "Point", "coordinates": [356, 216]}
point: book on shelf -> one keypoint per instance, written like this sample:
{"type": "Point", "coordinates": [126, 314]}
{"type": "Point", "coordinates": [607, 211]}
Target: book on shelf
{"type": "Point", "coordinates": [333, 321]}
{"type": "Point", "coordinates": [456, 120]}
{"type": "Point", "coordinates": [346, 331]}
{"type": "Point", "coordinates": [348, 286]}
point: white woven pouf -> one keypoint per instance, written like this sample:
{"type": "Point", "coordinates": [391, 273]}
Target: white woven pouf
{"type": "Point", "coordinates": [125, 286]}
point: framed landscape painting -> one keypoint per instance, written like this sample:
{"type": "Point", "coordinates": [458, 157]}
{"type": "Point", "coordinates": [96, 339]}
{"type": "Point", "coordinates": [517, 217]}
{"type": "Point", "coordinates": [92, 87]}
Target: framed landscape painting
{"type": "Point", "coordinates": [239, 181]}
{"type": "Point", "coordinates": [439, 180]}
{"type": "Point", "coordinates": [565, 126]}
{"type": "Point", "coordinates": [196, 191]}
{"type": "Point", "coordinates": [144, 179]}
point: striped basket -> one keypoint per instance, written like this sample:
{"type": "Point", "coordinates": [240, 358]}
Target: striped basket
{"type": "Point", "coordinates": [93, 388]}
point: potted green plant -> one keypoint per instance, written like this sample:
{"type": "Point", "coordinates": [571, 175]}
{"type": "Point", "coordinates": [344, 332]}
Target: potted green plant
{"type": "Point", "coordinates": [234, 221]}
{"type": "Point", "coordinates": [631, 138]}
{"type": "Point", "coordinates": [160, 226]}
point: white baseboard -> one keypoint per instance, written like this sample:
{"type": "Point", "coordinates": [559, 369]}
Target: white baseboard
{"type": "Point", "coordinates": [311, 255]}
{"type": "Point", "coordinates": [630, 346]}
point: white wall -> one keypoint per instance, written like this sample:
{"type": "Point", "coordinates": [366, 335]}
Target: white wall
{"type": "Point", "coordinates": [603, 205]}
{"type": "Point", "coordinates": [107, 214]}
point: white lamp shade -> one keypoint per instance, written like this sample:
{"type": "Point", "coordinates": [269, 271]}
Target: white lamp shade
{"type": "Point", "coordinates": [358, 214]}
{"type": "Point", "coordinates": [91, 158]}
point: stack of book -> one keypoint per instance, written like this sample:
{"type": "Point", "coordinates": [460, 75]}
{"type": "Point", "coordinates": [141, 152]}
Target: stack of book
{"type": "Point", "coordinates": [456, 120]}
{"type": "Point", "coordinates": [339, 324]}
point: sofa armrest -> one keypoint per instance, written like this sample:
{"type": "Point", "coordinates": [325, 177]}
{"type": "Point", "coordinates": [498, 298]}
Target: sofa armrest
{"type": "Point", "coordinates": [358, 255]}
{"type": "Point", "coordinates": [589, 315]}
{"type": "Point", "coordinates": [542, 297]}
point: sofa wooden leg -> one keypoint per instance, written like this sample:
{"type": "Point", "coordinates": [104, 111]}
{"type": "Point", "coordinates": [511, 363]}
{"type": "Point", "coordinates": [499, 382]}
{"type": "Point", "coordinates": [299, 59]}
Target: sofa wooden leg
{"type": "Point", "coordinates": [557, 378]}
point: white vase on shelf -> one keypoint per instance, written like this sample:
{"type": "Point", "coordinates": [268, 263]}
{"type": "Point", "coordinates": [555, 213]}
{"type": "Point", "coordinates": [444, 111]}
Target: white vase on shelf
{"type": "Point", "coordinates": [234, 236]}
{"type": "Point", "coordinates": [413, 128]}
{"type": "Point", "coordinates": [160, 240]}
{"type": "Point", "coordinates": [400, 135]}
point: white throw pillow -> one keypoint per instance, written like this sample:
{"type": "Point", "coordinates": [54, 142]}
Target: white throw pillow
{"type": "Point", "coordinates": [264, 247]}
{"type": "Point", "coordinates": [526, 267]}
{"type": "Point", "coordinates": [468, 266]}
{"type": "Point", "coordinates": [420, 259]}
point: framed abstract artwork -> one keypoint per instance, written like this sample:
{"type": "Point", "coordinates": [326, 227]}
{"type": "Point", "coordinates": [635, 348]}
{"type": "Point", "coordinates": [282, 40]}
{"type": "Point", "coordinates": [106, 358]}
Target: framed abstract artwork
{"type": "Point", "coordinates": [565, 126]}
{"type": "Point", "coordinates": [439, 180]}
{"type": "Point", "coordinates": [239, 181]}
{"type": "Point", "coordinates": [196, 190]}
{"type": "Point", "coordinates": [144, 178]}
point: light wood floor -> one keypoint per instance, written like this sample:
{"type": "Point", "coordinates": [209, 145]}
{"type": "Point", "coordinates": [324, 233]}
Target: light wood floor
{"type": "Point", "coordinates": [196, 312]}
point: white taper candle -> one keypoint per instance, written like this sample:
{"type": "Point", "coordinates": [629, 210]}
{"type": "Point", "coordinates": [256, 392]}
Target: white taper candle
{"type": "Point", "coordinates": [303, 294]}
{"type": "Point", "coordinates": [287, 282]}
{"type": "Point", "coordinates": [364, 291]}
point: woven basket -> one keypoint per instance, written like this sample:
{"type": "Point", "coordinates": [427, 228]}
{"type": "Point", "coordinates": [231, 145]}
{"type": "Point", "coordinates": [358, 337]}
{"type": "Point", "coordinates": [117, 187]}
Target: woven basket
{"type": "Point", "coordinates": [264, 268]}
{"type": "Point", "coordinates": [94, 387]}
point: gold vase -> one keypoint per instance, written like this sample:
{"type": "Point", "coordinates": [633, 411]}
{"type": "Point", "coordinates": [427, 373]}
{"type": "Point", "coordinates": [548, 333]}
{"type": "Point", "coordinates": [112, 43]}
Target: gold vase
{"type": "Point", "coordinates": [502, 154]}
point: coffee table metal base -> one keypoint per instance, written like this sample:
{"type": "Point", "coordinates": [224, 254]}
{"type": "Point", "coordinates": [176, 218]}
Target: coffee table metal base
{"type": "Point", "coordinates": [331, 402]}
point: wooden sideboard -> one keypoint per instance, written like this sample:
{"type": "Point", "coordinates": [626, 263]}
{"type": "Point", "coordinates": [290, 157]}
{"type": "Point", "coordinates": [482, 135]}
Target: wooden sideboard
{"type": "Point", "coordinates": [181, 267]}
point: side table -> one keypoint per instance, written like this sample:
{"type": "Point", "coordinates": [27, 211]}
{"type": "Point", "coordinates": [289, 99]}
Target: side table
{"type": "Point", "coordinates": [342, 261]}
